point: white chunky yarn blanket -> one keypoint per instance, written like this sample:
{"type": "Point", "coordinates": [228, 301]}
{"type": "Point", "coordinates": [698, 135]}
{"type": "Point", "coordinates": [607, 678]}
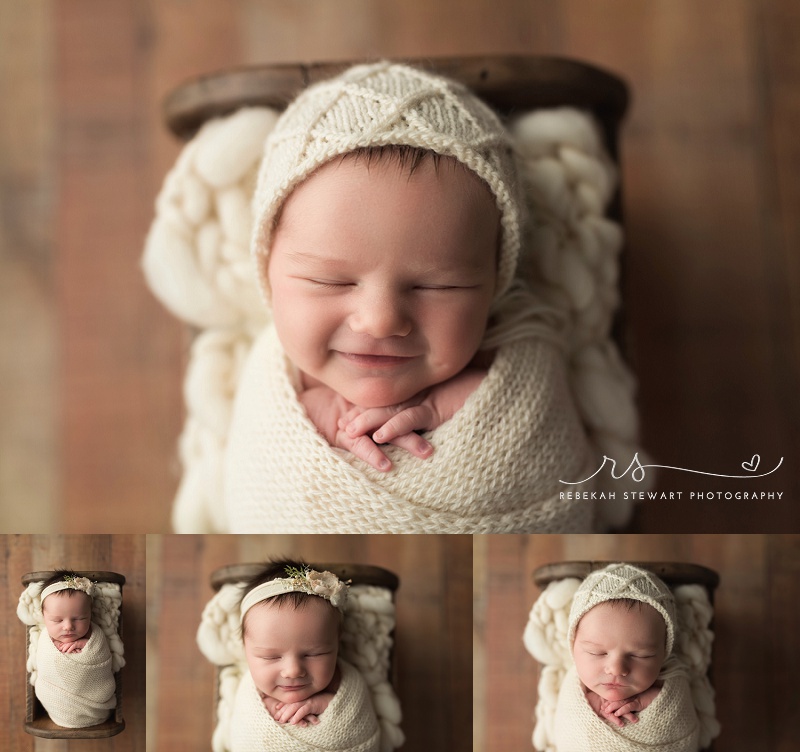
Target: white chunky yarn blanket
{"type": "Point", "coordinates": [545, 638]}
{"type": "Point", "coordinates": [347, 725]}
{"type": "Point", "coordinates": [196, 261]}
{"type": "Point", "coordinates": [365, 644]}
{"type": "Point", "coordinates": [76, 689]}
{"type": "Point", "coordinates": [495, 469]}
{"type": "Point", "coordinates": [88, 671]}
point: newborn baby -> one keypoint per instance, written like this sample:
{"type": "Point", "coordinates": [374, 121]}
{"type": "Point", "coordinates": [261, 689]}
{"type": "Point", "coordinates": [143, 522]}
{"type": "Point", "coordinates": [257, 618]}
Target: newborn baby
{"type": "Point", "coordinates": [298, 693]}
{"type": "Point", "coordinates": [410, 381]}
{"type": "Point", "coordinates": [75, 680]}
{"type": "Point", "coordinates": [621, 633]}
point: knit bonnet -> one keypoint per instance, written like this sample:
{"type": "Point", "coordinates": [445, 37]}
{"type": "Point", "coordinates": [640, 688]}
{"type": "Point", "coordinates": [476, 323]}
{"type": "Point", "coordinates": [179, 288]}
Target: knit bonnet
{"type": "Point", "coordinates": [386, 104]}
{"type": "Point", "coordinates": [618, 581]}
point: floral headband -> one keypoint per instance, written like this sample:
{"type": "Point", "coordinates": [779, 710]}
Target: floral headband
{"type": "Point", "coordinates": [70, 582]}
{"type": "Point", "coordinates": [323, 584]}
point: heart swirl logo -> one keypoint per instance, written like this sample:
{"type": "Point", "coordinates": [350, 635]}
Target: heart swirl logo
{"type": "Point", "coordinates": [752, 466]}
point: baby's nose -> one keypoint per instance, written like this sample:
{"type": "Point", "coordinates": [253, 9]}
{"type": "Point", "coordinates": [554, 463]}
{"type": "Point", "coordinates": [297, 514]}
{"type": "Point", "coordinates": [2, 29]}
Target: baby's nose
{"type": "Point", "coordinates": [380, 315]}
{"type": "Point", "coordinates": [292, 668]}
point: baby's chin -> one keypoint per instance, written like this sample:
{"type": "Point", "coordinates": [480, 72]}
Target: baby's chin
{"type": "Point", "coordinates": [71, 638]}
{"type": "Point", "coordinates": [615, 693]}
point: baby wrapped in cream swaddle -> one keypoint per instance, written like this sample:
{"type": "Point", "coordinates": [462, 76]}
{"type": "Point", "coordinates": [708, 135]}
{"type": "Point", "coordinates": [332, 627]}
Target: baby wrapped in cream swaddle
{"type": "Point", "coordinates": [296, 693]}
{"type": "Point", "coordinates": [76, 689]}
{"type": "Point", "coordinates": [74, 646]}
{"type": "Point", "coordinates": [383, 331]}
{"type": "Point", "coordinates": [347, 725]}
{"type": "Point", "coordinates": [619, 652]}
{"type": "Point", "coordinates": [264, 465]}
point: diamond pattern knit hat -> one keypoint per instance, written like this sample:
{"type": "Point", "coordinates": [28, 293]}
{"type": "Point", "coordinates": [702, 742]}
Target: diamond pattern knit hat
{"type": "Point", "coordinates": [617, 581]}
{"type": "Point", "coordinates": [379, 105]}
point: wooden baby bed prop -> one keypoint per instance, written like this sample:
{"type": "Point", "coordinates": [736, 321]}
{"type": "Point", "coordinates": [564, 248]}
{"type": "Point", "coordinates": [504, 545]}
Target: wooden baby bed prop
{"type": "Point", "coordinates": [509, 83]}
{"type": "Point", "coordinates": [37, 722]}
{"type": "Point", "coordinates": [672, 573]}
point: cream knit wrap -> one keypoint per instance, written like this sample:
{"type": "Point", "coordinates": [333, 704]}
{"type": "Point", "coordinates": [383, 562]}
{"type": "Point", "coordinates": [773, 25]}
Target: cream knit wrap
{"type": "Point", "coordinates": [495, 468]}
{"type": "Point", "coordinates": [76, 689]}
{"type": "Point", "coordinates": [348, 724]}
{"type": "Point", "coordinates": [668, 724]}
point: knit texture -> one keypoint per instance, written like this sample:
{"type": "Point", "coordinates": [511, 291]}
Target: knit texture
{"type": "Point", "coordinates": [348, 724]}
{"type": "Point", "coordinates": [76, 689]}
{"type": "Point", "coordinates": [618, 581]}
{"type": "Point", "coordinates": [668, 724]}
{"type": "Point", "coordinates": [496, 466]}
{"type": "Point", "coordinates": [387, 104]}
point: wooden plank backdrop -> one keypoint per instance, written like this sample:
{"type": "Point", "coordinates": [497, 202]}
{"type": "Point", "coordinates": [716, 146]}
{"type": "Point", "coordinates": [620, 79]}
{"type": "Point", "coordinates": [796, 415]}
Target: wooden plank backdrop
{"type": "Point", "coordinates": [91, 366]}
{"type": "Point", "coordinates": [432, 649]}
{"type": "Point", "coordinates": [33, 553]}
{"type": "Point", "coordinates": [755, 658]}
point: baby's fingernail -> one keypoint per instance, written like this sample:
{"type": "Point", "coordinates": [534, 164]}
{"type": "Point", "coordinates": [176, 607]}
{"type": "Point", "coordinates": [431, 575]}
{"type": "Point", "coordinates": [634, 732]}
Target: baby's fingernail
{"type": "Point", "coordinates": [425, 447]}
{"type": "Point", "coordinates": [378, 436]}
{"type": "Point", "coordinates": [384, 464]}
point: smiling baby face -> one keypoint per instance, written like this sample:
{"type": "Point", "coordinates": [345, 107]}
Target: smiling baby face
{"type": "Point", "coordinates": [291, 651]}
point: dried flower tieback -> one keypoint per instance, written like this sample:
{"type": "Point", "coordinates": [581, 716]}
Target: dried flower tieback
{"type": "Point", "coordinates": [70, 582]}
{"type": "Point", "coordinates": [323, 584]}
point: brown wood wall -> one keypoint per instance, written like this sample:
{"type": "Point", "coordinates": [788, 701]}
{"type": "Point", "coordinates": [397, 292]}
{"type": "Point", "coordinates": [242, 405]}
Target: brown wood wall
{"type": "Point", "coordinates": [433, 647]}
{"type": "Point", "coordinates": [756, 624]}
{"type": "Point", "coordinates": [124, 554]}
{"type": "Point", "coordinates": [91, 365]}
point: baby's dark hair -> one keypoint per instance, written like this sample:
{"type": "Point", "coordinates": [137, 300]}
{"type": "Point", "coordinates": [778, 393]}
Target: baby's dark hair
{"type": "Point", "coordinates": [278, 569]}
{"type": "Point", "coordinates": [629, 603]}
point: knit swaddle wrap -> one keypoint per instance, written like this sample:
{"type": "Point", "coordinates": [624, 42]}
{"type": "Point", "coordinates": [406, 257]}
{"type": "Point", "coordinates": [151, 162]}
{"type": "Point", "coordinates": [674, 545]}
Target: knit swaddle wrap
{"type": "Point", "coordinates": [76, 689]}
{"type": "Point", "coordinates": [348, 724]}
{"type": "Point", "coordinates": [668, 724]}
{"type": "Point", "coordinates": [496, 467]}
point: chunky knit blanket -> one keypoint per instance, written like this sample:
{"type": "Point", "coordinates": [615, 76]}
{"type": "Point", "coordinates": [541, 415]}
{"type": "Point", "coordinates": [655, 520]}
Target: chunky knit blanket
{"type": "Point", "coordinates": [495, 469]}
{"type": "Point", "coordinates": [76, 689]}
{"type": "Point", "coordinates": [668, 724]}
{"type": "Point", "coordinates": [347, 725]}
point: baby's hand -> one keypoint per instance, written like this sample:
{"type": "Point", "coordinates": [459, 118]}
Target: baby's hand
{"type": "Point", "coordinates": [397, 424]}
{"type": "Point", "coordinates": [72, 647]}
{"type": "Point", "coordinates": [304, 713]}
{"type": "Point", "coordinates": [617, 710]}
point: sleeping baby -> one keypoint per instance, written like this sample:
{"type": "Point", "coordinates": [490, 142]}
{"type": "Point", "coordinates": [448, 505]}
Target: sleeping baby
{"type": "Point", "coordinates": [75, 681]}
{"type": "Point", "coordinates": [625, 691]}
{"type": "Point", "coordinates": [410, 380]}
{"type": "Point", "coordinates": [298, 694]}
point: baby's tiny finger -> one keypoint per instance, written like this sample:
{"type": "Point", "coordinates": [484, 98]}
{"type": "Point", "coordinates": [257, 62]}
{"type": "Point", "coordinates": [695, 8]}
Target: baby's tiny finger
{"type": "Point", "coordinates": [414, 444]}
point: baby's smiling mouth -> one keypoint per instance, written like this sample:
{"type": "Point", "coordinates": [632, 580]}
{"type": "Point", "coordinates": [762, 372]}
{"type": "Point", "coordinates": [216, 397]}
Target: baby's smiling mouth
{"type": "Point", "coordinates": [372, 360]}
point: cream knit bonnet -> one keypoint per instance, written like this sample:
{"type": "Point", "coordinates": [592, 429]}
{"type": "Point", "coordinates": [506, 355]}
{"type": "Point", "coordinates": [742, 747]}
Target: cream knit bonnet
{"type": "Point", "coordinates": [380, 105]}
{"type": "Point", "coordinates": [617, 581]}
